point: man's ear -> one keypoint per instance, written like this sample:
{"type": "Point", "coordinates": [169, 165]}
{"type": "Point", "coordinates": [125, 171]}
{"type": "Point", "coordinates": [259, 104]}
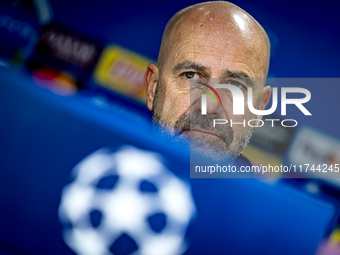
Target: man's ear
{"type": "Point", "coordinates": [266, 92]}
{"type": "Point", "coordinates": [151, 79]}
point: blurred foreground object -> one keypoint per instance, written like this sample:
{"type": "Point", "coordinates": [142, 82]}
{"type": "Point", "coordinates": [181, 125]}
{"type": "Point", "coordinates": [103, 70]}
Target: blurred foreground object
{"type": "Point", "coordinates": [130, 202]}
{"type": "Point", "coordinates": [44, 136]}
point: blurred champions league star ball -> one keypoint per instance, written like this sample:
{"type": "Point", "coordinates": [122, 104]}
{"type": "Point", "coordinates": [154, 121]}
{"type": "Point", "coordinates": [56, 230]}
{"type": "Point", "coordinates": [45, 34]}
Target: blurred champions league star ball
{"type": "Point", "coordinates": [125, 202]}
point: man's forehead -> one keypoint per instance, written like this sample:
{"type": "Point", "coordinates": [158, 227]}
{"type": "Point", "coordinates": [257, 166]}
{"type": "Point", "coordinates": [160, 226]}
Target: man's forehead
{"type": "Point", "coordinates": [213, 41]}
{"type": "Point", "coordinates": [217, 53]}
{"type": "Point", "coordinates": [211, 19]}
{"type": "Point", "coordinates": [230, 35]}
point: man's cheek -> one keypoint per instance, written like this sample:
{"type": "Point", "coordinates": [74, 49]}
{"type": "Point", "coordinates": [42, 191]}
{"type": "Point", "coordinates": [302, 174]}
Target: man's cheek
{"type": "Point", "coordinates": [179, 104]}
{"type": "Point", "coordinates": [240, 125]}
{"type": "Point", "coordinates": [169, 106]}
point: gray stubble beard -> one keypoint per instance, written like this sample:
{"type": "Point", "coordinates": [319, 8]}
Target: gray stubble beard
{"type": "Point", "coordinates": [172, 132]}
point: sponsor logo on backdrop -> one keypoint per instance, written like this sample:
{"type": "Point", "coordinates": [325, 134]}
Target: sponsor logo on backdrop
{"type": "Point", "coordinates": [66, 51]}
{"type": "Point", "coordinates": [20, 23]}
{"type": "Point", "coordinates": [315, 148]}
{"type": "Point", "coordinates": [61, 83]}
{"type": "Point", "coordinates": [67, 47]}
{"type": "Point", "coordinates": [122, 71]}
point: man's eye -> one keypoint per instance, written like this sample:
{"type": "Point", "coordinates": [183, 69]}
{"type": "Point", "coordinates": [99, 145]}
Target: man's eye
{"type": "Point", "coordinates": [191, 75]}
{"type": "Point", "coordinates": [236, 83]}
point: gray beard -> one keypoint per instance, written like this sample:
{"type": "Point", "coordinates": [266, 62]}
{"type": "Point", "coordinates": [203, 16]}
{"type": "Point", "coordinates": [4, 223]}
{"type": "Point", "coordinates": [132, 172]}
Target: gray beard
{"type": "Point", "coordinates": [219, 150]}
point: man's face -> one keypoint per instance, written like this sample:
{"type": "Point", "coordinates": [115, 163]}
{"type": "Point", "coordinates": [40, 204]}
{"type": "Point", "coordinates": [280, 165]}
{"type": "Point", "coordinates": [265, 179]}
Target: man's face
{"type": "Point", "coordinates": [210, 51]}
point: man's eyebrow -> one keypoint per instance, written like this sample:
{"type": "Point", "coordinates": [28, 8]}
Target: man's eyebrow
{"type": "Point", "coordinates": [190, 65]}
{"type": "Point", "coordinates": [238, 75]}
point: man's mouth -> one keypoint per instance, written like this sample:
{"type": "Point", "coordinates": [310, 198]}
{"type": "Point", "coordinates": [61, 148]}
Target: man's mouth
{"type": "Point", "coordinates": [186, 133]}
{"type": "Point", "coordinates": [205, 132]}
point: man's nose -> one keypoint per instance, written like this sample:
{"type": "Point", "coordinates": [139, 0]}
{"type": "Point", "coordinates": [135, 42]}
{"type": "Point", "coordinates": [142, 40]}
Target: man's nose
{"type": "Point", "coordinates": [211, 107]}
